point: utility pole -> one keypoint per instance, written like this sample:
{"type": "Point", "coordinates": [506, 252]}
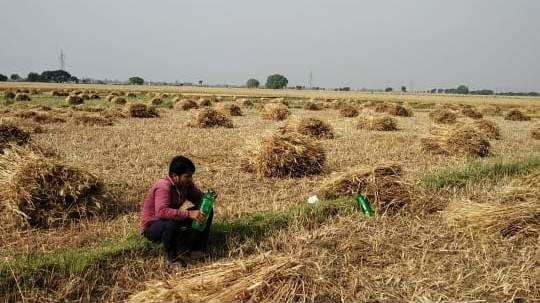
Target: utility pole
{"type": "Point", "coordinates": [62, 60]}
{"type": "Point", "coordinates": [310, 79]}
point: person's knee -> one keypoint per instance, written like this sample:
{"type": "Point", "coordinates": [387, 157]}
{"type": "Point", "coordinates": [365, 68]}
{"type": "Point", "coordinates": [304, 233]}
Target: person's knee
{"type": "Point", "coordinates": [169, 225]}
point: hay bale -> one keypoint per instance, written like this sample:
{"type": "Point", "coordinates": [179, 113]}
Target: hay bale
{"type": "Point", "coordinates": [443, 116]}
{"type": "Point", "coordinates": [140, 110]}
{"type": "Point", "coordinates": [310, 127]}
{"type": "Point", "coordinates": [264, 278]}
{"type": "Point", "coordinates": [230, 109]}
{"type": "Point", "coordinates": [22, 97]}
{"type": "Point", "coordinates": [460, 140]}
{"type": "Point", "coordinates": [276, 112]}
{"type": "Point", "coordinates": [381, 185]}
{"type": "Point", "coordinates": [348, 111]}
{"type": "Point", "coordinates": [310, 105]}
{"type": "Point", "coordinates": [393, 109]}
{"type": "Point", "coordinates": [156, 101]}
{"type": "Point", "coordinates": [42, 192]}
{"type": "Point", "coordinates": [185, 104]}
{"type": "Point", "coordinates": [119, 100]}
{"type": "Point", "coordinates": [208, 117]}
{"type": "Point", "coordinates": [12, 134]}
{"type": "Point", "coordinates": [9, 95]}
{"type": "Point", "coordinates": [535, 133]}
{"type": "Point", "coordinates": [471, 113]}
{"type": "Point", "coordinates": [516, 115]}
{"type": "Point", "coordinates": [489, 128]}
{"type": "Point", "coordinates": [377, 123]}
{"type": "Point", "coordinates": [74, 100]}
{"type": "Point", "coordinates": [285, 155]}
{"type": "Point", "coordinates": [205, 102]}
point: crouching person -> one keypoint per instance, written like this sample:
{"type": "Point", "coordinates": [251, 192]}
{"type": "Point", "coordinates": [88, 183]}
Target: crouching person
{"type": "Point", "coordinates": [162, 220]}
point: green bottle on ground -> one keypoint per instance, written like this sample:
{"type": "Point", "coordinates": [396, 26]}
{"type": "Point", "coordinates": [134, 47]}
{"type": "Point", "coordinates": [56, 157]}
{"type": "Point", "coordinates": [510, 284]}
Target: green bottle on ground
{"type": "Point", "coordinates": [364, 205]}
{"type": "Point", "coordinates": [207, 206]}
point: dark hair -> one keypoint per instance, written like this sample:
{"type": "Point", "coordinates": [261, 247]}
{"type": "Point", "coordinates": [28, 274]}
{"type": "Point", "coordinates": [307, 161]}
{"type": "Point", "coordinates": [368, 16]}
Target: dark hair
{"type": "Point", "coordinates": [181, 165]}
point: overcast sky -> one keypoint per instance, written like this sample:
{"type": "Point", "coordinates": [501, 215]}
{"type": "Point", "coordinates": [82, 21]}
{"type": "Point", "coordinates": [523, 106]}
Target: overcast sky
{"type": "Point", "coordinates": [359, 43]}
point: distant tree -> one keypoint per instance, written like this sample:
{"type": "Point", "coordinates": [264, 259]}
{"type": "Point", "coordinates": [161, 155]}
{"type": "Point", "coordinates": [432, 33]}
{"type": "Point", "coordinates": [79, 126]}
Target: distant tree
{"type": "Point", "coordinates": [462, 89]}
{"type": "Point", "coordinates": [33, 77]}
{"type": "Point", "coordinates": [15, 77]}
{"type": "Point", "coordinates": [433, 91]}
{"type": "Point", "coordinates": [388, 89]}
{"type": "Point", "coordinates": [404, 89]}
{"type": "Point", "coordinates": [57, 76]}
{"type": "Point", "coordinates": [136, 81]}
{"type": "Point", "coordinates": [276, 81]}
{"type": "Point", "coordinates": [252, 83]}
{"type": "Point", "coordinates": [3, 78]}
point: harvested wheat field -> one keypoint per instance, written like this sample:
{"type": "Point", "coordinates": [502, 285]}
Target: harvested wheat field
{"type": "Point", "coordinates": [455, 197]}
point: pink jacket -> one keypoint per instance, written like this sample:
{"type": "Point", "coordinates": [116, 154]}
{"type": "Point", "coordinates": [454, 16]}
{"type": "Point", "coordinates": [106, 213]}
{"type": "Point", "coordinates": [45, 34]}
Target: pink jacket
{"type": "Point", "coordinates": [163, 201]}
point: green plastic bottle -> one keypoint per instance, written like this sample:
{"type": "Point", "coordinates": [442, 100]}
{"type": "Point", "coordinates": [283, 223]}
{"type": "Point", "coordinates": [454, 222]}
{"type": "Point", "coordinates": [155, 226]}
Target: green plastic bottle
{"type": "Point", "coordinates": [207, 206]}
{"type": "Point", "coordinates": [364, 205]}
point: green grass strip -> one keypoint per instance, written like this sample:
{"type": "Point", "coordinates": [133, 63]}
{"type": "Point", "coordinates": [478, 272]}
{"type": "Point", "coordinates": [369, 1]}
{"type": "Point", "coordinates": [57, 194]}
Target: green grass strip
{"type": "Point", "coordinates": [478, 171]}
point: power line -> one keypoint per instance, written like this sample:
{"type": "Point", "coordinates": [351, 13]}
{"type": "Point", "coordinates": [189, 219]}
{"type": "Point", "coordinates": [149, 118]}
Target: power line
{"type": "Point", "coordinates": [62, 60]}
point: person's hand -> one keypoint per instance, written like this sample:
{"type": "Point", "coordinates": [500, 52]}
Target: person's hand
{"type": "Point", "coordinates": [196, 215]}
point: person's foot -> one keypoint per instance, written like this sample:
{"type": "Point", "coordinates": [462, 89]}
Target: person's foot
{"type": "Point", "coordinates": [197, 255]}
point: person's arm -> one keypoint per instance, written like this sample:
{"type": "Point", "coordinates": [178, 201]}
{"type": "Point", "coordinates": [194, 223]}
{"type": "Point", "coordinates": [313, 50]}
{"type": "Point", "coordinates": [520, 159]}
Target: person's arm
{"type": "Point", "coordinates": [194, 195]}
{"type": "Point", "coordinates": [162, 197]}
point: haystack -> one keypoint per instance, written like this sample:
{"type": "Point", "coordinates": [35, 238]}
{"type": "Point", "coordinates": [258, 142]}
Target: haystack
{"type": "Point", "coordinates": [378, 123]}
{"type": "Point", "coordinates": [42, 118]}
{"type": "Point", "coordinates": [310, 127]}
{"type": "Point", "coordinates": [74, 100]}
{"type": "Point", "coordinates": [12, 134]}
{"type": "Point", "coordinates": [489, 128]}
{"type": "Point", "coordinates": [381, 185]}
{"type": "Point", "coordinates": [286, 155]}
{"type": "Point", "coordinates": [348, 111]}
{"type": "Point", "coordinates": [205, 102]}
{"type": "Point", "coordinates": [156, 101]}
{"type": "Point", "coordinates": [22, 97]}
{"type": "Point", "coordinates": [276, 112]}
{"type": "Point", "coordinates": [393, 109]}
{"type": "Point", "coordinates": [208, 117]}
{"type": "Point", "coordinates": [513, 212]}
{"type": "Point", "coordinates": [516, 115]}
{"type": "Point", "coordinates": [311, 105]}
{"type": "Point", "coordinates": [42, 192]}
{"type": "Point", "coordinates": [535, 133]}
{"type": "Point", "coordinates": [264, 278]}
{"type": "Point", "coordinates": [92, 120]}
{"type": "Point", "coordinates": [119, 100]}
{"type": "Point", "coordinates": [9, 95]}
{"type": "Point", "coordinates": [185, 104]}
{"type": "Point", "coordinates": [471, 113]}
{"type": "Point", "coordinates": [460, 140]}
{"type": "Point", "coordinates": [230, 109]}
{"type": "Point", "coordinates": [443, 116]}
{"type": "Point", "coordinates": [140, 110]}
{"type": "Point", "coordinates": [247, 103]}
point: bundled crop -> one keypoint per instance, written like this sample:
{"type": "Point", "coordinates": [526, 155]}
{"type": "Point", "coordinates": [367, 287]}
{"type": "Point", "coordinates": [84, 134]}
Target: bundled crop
{"type": "Point", "coordinates": [264, 278]}
{"type": "Point", "coordinates": [92, 120]}
{"type": "Point", "coordinates": [516, 115]}
{"type": "Point", "coordinates": [141, 110]}
{"type": "Point", "coordinates": [118, 100]}
{"type": "Point", "coordinates": [535, 133]}
{"type": "Point", "coordinates": [489, 128]}
{"type": "Point", "coordinates": [74, 100]}
{"type": "Point", "coordinates": [378, 123]}
{"type": "Point", "coordinates": [156, 101]}
{"type": "Point", "coordinates": [205, 102]}
{"type": "Point", "coordinates": [230, 109]}
{"type": "Point", "coordinates": [276, 112]}
{"type": "Point", "coordinates": [12, 134]}
{"type": "Point", "coordinates": [311, 127]}
{"type": "Point", "coordinates": [443, 116]}
{"type": "Point", "coordinates": [393, 109]}
{"type": "Point", "coordinates": [348, 111]}
{"type": "Point", "coordinates": [285, 155]}
{"type": "Point", "coordinates": [208, 118]}
{"type": "Point", "coordinates": [42, 192]}
{"type": "Point", "coordinates": [311, 105]}
{"type": "Point", "coordinates": [22, 97]}
{"type": "Point", "coordinates": [9, 95]}
{"type": "Point", "coordinates": [380, 184]}
{"type": "Point", "coordinates": [185, 104]}
{"type": "Point", "coordinates": [460, 140]}
{"type": "Point", "coordinates": [472, 113]}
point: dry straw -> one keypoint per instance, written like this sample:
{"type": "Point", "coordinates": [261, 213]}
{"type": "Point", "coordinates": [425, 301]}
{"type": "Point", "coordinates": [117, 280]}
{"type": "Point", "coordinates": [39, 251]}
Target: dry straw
{"type": "Point", "coordinates": [311, 105]}
{"type": "Point", "coordinates": [74, 100]}
{"type": "Point", "coordinates": [311, 127]}
{"type": "Point", "coordinates": [394, 109]}
{"type": "Point", "coordinates": [516, 115]}
{"type": "Point", "coordinates": [119, 100]}
{"type": "Point", "coordinates": [12, 134]}
{"type": "Point", "coordinates": [92, 120]}
{"type": "Point", "coordinates": [275, 111]}
{"type": "Point", "coordinates": [208, 118]}
{"type": "Point", "coordinates": [459, 140]}
{"type": "Point", "coordinates": [443, 116]}
{"type": "Point", "coordinates": [8, 95]}
{"type": "Point", "coordinates": [348, 111]}
{"type": "Point", "coordinates": [285, 155]}
{"type": "Point", "coordinates": [230, 109]}
{"type": "Point", "coordinates": [185, 104]}
{"type": "Point", "coordinates": [22, 97]}
{"type": "Point", "coordinates": [489, 128]}
{"type": "Point", "coordinates": [535, 133]}
{"type": "Point", "coordinates": [264, 278]}
{"type": "Point", "coordinates": [380, 184]}
{"type": "Point", "coordinates": [472, 113]}
{"type": "Point", "coordinates": [42, 192]}
{"type": "Point", "coordinates": [156, 101]}
{"type": "Point", "coordinates": [205, 102]}
{"type": "Point", "coordinates": [141, 110]}
{"type": "Point", "coordinates": [377, 123]}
